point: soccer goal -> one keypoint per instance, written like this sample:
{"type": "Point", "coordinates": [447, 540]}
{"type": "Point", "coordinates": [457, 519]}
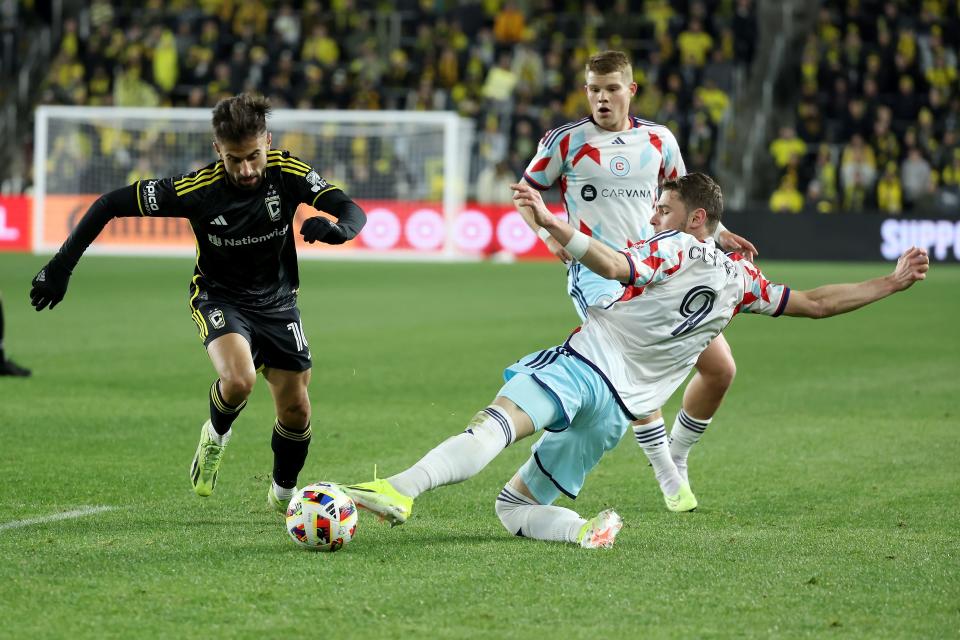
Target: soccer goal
{"type": "Point", "coordinates": [408, 170]}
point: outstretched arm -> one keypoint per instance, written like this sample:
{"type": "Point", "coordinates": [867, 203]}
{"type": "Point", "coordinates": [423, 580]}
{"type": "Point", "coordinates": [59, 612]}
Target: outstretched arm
{"type": "Point", "coordinates": [596, 256]}
{"type": "Point", "coordinates": [555, 247]}
{"type": "Point", "coordinates": [50, 284]}
{"type": "Point", "coordinates": [834, 299]}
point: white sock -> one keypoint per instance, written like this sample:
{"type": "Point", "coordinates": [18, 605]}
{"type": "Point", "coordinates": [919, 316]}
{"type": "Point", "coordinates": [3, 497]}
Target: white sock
{"type": "Point", "coordinates": [283, 494]}
{"type": "Point", "coordinates": [686, 432]}
{"type": "Point", "coordinates": [652, 438]}
{"type": "Point", "coordinates": [459, 457]}
{"type": "Point", "coordinates": [216, 437]}
{"type": "Point", "coordinates": [525, 517]}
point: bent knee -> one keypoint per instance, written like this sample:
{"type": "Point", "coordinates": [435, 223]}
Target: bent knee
{"type": "Point", "coordinates": [718, 372]}
{"type": "Point", "coordinates": [723, 376]}
{"type": "Point", "coordinates": [296, 415]}
{"type": "Point", "coordinates": [236, 386]}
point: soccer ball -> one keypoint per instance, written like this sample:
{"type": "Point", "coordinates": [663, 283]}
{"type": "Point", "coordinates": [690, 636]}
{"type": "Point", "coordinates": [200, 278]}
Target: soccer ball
{"type": "Point", "coordinates": [321, 517]}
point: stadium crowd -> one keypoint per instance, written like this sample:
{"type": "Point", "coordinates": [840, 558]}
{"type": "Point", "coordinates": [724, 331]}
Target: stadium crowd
{"type": "Point", "coordinates": [878, 116]}
{"type": "Point", "coordinates": [514, 67]}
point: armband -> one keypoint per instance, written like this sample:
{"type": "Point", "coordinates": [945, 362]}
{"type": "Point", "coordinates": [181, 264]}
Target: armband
{"type": "Point", "coordinates": [543, 234]}
{"type": "Point", "coordinates": [578, 245]}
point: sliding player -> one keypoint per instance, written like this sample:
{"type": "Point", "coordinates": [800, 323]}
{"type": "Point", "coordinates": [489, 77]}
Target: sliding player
{"type": "Point", "coordinates": [619, 367]}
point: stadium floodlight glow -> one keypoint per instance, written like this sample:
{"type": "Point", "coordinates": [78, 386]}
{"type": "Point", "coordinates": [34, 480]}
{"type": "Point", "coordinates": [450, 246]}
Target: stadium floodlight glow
{"type": "Point", "coordinates": [405, 158]}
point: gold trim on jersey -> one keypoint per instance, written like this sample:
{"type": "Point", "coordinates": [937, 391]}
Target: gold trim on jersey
{"type": "Point", "coordinates": [139, 203]}
{"type": "Point", "coordinates": [201, 175]}
{"type": "Point", "coordinates": [288, 169]}
{"type": "Point", "coordinates": [194, 187]}
{"type": "Point", "coordinates": [277, 154]}
{"type": "Point", "coordinates": [195, 313]}
{"type": "Point", "coordinates": [299, 164]}
{"type": "Point", "coordinates": [330, 188]}
{"type": "Point", "coordinates": [289, 165]}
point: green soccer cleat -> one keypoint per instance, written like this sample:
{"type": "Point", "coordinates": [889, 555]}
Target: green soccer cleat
{"type": "Point", "coordinates": [600, 531]}
{"type": "Point", "coordinates": [277, 503]}
{"type": "Point", "coordinates": [379, 497]}
{"type": "Point", "coordinates": [683, 501]}
{"type": "Point", "coordinates": [206, 462]}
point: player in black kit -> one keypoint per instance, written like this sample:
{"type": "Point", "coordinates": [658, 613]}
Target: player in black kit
{"type": "Point", "coordinates": [243, 295]}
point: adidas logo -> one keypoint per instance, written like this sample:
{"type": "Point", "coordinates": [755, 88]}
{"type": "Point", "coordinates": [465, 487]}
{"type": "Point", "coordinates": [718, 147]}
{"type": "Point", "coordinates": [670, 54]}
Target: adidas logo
{"type": "Point", "coordinates": [42, 276]}
{"type": "Point", "coordinates": [618, 140]}
{"type": "Point", "coordinates": [219, 221]}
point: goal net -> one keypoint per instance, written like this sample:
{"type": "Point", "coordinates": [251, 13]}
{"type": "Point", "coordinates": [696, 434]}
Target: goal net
{"type": "Point", "coordinates": [408, 170]}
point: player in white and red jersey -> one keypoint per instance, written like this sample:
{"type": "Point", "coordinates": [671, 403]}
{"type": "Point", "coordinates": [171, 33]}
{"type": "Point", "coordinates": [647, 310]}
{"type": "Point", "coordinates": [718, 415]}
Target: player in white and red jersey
{"type": "Point", "coordinates": [627, 358]}
{"type": "Point", "coordinates": [610, 166]}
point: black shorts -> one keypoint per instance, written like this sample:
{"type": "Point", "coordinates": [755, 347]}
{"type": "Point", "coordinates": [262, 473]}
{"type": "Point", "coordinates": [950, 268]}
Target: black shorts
{"type": "Point", "coordinates": [276, 338]}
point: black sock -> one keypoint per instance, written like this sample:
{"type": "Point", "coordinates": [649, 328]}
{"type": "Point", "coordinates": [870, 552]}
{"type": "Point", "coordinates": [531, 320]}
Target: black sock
{"type": "Point", "coordinates": [289, 454]}
{"type": "Point", "coordinates": [222, 414]}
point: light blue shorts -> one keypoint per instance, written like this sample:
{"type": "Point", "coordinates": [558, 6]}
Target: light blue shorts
{"type": "Point", "coordinates": [579, 415]}
{"type": "Point", "coordinates": [587, 289]}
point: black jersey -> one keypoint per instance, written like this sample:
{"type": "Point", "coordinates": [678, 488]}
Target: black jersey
{"type": "Point", "coordinates": [245, 246]}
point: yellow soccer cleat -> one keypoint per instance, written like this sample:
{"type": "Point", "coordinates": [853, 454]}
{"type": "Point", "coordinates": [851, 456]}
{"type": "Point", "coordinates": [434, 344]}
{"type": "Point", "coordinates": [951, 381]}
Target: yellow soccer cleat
{"type": "Point", "coordinates": [206, 463]}
{"type": "Point", "coordinates": [600, 531]}
{"type": "Point", "coordinates": [379, 496]}
{"type": "Point", "coordinates": [683, 501]}
{"type": "Point", "coordinates": [275, 502]}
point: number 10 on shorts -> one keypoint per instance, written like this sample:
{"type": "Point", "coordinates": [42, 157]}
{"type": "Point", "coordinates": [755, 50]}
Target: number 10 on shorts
{"type": "Point", "coordinates": [297, 329]}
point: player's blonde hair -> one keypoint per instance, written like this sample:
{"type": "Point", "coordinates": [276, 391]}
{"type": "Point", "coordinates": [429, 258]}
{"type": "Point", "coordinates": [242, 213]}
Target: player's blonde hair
{"type": "Point", "coordinates": [699, 191]}
{"type": "Point", "coordinates": [241, 117]}
{"type": "Point", "coordinates": [606, 62]}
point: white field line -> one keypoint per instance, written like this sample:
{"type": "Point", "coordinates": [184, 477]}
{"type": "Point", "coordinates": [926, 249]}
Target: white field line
{"type": "Point", "coordinates": [63, 515]}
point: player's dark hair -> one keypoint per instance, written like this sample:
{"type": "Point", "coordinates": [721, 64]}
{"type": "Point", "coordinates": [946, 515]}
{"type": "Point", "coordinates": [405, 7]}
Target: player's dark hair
{"type": "Point", "coordinates": [699, 191]}
{"type": "Point", "coordinates": [606, 62]}
{"type": "Point", "coordinates": [240, 118]}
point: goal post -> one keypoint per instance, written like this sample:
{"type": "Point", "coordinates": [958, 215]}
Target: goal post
{"type": "Point", "coordinates": [409, 170]}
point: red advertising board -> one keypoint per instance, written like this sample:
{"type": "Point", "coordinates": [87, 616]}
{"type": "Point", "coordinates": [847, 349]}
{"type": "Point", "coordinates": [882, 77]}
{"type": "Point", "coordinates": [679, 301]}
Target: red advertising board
{"type": "Point", "coordinates": [15, 225]}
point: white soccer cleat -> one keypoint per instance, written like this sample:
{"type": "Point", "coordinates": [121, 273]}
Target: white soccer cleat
{"type": "Point", "coordinates": [600, 531]}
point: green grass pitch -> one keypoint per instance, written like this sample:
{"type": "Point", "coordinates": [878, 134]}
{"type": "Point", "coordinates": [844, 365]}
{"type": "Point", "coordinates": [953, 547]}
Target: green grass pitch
{"type": "Point", "coordinates": [828, 482]}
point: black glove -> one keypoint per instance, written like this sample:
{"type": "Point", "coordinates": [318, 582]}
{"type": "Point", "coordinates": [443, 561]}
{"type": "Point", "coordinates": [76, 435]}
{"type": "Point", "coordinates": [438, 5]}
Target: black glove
{"type": "Point", "coordinates": [50, 285]}
{"type": "Point", "coordinates": [320, 229]}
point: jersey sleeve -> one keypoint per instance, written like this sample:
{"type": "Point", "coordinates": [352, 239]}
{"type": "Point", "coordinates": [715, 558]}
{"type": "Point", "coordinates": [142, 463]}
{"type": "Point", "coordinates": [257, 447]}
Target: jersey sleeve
{"type": "Point", "coordinates": [178, 196]}
{"type": "Point", "coordinates": [302, 181]}
{"type": "Point", "coordinates": [655, 260]}
{"type": "Point", "coordinates": [672, 166]}
{"type": "Point", "coordinates": [759, 294]}
{"type": "Point", "coordinates": [547, 164]}
{"type": "Point", "coordinates": [160, 197]}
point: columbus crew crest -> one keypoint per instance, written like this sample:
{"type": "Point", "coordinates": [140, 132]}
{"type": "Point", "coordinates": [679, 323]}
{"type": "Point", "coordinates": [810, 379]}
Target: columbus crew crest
{"type": "Point", "coordinates": [272, 201]}
{"type": "Point", "coordinates": [216, 319]}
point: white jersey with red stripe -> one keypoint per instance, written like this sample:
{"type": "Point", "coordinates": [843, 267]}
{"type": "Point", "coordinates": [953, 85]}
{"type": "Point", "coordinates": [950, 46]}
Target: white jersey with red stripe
{"type": "Point", "coordinates": [610, 180]}
{"type": "Point", "coordinates": [682, 293]}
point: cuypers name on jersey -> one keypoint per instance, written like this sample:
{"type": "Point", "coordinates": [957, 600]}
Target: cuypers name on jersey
{"type": "Point", "coordinates": [589, 193]}
{"type": "Point", "coordinates": [217, 241]}
{"type": "Point", "coordinates": [711, 256]}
